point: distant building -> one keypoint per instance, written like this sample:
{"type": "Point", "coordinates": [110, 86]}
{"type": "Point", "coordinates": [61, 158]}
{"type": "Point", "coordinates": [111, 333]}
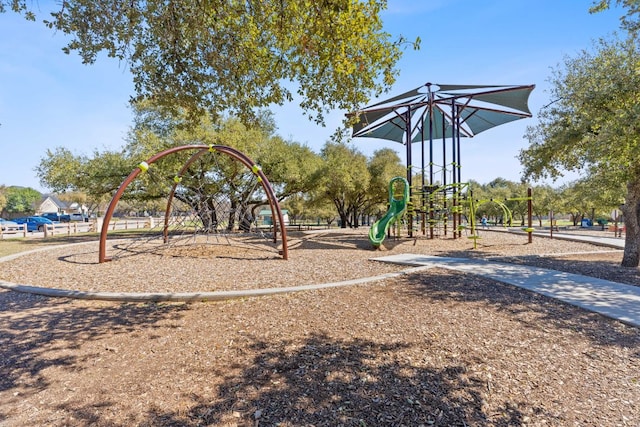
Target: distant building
{"type": "Point", "coordinates": [51, 203]}
{"type": "Point", "coordinates": [265, 217]}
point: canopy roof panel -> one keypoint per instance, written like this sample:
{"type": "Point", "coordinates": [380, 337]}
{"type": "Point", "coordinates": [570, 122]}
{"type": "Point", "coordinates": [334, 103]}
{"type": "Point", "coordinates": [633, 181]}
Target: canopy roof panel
{"type": "Point", "coordinates": [442, 110]}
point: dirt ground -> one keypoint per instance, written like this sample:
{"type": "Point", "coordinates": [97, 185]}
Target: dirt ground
{"type": "Point", "coordinates": [436, 348]}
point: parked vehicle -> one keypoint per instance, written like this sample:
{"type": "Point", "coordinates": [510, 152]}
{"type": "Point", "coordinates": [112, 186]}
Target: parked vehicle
{"type": "Point", "coordinates": [77, 217]}
{"type": "Point", "coordinates": [6, 225]}
{"type": "Point", "coordinates": [34, 223]}
{"type": "Point", "coordinates": [54, 216]}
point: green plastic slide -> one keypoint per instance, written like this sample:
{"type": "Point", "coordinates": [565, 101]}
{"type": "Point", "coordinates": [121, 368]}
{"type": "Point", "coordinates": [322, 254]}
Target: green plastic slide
{"type": "Point", "coordinates": [397, 207]}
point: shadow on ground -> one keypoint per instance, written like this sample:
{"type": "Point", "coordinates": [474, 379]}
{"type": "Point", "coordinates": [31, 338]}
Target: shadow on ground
{"type": "Point", "coordinates": [313, 380]}
{"type": "Point", "coordinates": [32, 325]}
{"type": "Point", "coordinates": [447, 285]}
{"type": "Point", "coordinates": [352, 383]}
{"type": "Point", "coordinates": [318, 380]}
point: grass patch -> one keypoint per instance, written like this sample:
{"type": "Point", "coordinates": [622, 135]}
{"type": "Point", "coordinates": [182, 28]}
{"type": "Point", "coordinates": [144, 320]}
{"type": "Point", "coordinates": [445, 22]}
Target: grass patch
{"type": "Point", "coordinates": [22, 244]}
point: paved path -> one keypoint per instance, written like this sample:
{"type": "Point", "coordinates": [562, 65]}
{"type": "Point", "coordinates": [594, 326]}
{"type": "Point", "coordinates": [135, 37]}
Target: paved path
{"type": "Point", "coordinates": [615, 300]}
{"type": "Point", "coordinates": [596, 239]}
{"type": "Point", "coordinates": [612, 242]}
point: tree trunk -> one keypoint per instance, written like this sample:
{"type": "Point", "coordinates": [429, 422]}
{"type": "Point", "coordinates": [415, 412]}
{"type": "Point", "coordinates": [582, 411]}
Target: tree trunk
{"type": "Point", "coordinates": [344, 220]}
{"type": "Point", "coordinates": [631, 214]}
{"type": "Point", "coordinates": [342, 212]}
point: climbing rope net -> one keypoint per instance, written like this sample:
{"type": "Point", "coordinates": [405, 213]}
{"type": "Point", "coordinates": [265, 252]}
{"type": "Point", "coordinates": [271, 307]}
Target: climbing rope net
{"type": "Point", "coordinates": [211, 204]}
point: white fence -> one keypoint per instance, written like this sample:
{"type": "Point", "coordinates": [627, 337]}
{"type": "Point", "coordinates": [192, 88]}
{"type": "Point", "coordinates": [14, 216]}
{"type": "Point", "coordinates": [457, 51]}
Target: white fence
{"type": "Point", "coordinates": [69, 228]}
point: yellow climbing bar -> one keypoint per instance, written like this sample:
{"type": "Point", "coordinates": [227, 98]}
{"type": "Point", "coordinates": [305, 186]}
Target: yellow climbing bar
{"type": "Point", "coordinates": [255, 169]}
{"type": "Point", "coordinates": [143, 166]}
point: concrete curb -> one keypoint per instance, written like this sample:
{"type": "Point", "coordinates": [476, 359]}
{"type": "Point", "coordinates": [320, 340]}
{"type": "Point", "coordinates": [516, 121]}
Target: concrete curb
{"type": "Point", "coordinates": [194, 296]}
{"type": "Point", "coordinates": [177, 296]}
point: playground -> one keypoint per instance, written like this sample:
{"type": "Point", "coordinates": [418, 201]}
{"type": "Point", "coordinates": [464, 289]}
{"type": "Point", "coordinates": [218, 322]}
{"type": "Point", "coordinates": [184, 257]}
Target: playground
{"type": "Point", "coordinates": [189, 334]}
{"type": "Point", "coordinates": [316, 257]}
{"type": "Point", "coordinates": [435, 347]}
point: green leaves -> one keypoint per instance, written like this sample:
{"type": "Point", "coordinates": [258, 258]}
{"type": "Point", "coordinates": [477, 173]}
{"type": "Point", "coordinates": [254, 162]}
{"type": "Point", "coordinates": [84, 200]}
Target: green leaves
{"type": "Point", "coordinates": [592, 125]}
{"type": "Point", "coordinates": [20, 199]}
{"type": "Point", "coordinates": [354, 184]}
{"type": "Point", "coordinates": [233, 56]}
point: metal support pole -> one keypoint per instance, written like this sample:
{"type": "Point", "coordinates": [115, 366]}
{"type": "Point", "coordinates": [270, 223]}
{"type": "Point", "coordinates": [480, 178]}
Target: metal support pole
{"type": "Point", "coordinates": [444, 176]}
{"type": "Point", "coordinates": [529, 214]}
{"type": "Point", "coordinates": [409, 164]}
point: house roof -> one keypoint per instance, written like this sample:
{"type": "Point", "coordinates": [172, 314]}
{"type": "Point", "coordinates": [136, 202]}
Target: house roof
{"type": "Point", "coordinates": [59, 203]}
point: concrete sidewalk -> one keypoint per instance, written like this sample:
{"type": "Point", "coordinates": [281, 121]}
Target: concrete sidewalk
{"type": "Point", "coordinates": [611, 242]}
{"type": "Point", "coordinates": [611, 299]}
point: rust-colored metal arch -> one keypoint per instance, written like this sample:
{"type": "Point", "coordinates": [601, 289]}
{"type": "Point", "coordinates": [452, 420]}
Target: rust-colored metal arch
{"type": "Point", "coordinates": [202, 149]}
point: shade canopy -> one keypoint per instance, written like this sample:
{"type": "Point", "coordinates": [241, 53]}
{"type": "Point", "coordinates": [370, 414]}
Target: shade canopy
{"type": "Point", "coordinates": [442, 111]}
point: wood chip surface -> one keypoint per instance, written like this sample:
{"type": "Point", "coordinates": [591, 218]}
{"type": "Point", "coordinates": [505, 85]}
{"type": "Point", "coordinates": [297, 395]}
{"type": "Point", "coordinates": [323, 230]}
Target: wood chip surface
{"type": "Point", "coordinates": [433, 348]}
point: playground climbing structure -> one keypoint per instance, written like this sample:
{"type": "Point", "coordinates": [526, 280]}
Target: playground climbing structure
{"type": "Point", "coordinates": [441, 211]}
{"type": "Point", "coordinates": [435, 117]}
{"type": "Point", "coordinates": [204, 195]}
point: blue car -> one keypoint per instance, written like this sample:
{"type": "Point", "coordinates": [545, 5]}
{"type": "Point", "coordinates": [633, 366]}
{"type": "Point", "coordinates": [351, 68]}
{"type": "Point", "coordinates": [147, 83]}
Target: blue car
{"type": "Point", "coordinates": [34, 223]}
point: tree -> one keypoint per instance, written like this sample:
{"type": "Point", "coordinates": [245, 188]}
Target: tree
{"type": "Point", "coordinates": [516, 201]}
{"type": "Point", "coordinates": [576, 202]}
{"type": "Point", "coordinates": [97, 177]}
{"type": "Point", "coordinates": [3, 197]}
{"type": "Point", "coordinates": [21, 200]}
{"type": "Point", "coordinates": [594, 126]}
{"type": "Point", "coordinates": [384, 165]}
{"type": "Point", "coordinates": [357, 185]}
{"type": "Point", "coordinates": [545, 200]}
{"type": "Point", "coordinates": [295, 206]}
{"type": "Point", "coordinates": [236, 56]}
{"type": "Point", "coordinates": [289, 166]}
{"type": "Point", "coordinates": [584, 199]}
{"type": "Point", "coordinates": [344, 179]}
{"type": "Point", "coordinates": [322, 209]}
{"type": "Point", "coordinates": [490, 198]}
{"type": "Point", "coordinates": [630, 21]}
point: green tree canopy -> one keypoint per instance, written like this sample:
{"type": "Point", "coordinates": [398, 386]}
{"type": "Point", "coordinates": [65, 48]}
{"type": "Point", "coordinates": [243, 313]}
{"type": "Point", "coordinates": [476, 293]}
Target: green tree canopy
{"type": "Point", "coordinates": [289, 166]}
{"type": "Point", "coordinates": [3, 198]}
{"type": "Point", "coordinates": [630, 21]}
{"type": "Point", "coordinates": [21, 200]}
{"type": "Point", "coordinates": [344, 179]}
{"type": "Point", "coordinates": [384, 165]}
{"type": "Point", "coordinates": [490, 199]}
{"type": "Point", "coordinates": [235, 56]}
{"type": "Point", "coordinates": [593, 126]}
{"type": "Point", "coordinates": [546, 199]}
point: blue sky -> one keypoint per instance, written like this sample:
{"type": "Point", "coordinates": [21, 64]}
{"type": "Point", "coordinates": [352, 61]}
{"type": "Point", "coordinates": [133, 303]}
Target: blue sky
{"type": "Point", "coordinates": [49, 99]}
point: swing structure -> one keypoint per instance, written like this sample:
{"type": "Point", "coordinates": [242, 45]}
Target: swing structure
{"type": "Point", "coordinates": [210, 197]}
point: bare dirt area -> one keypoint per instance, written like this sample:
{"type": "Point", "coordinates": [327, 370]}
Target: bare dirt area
{"type": "Point", "coordinates": [432, 348]}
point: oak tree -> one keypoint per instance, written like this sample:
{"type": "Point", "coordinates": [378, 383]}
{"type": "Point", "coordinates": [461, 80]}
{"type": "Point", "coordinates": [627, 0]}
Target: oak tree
{"type": "Point", "coordinates": [593, 126]}
{"type": "Point", "coordinates": [236, 56]}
